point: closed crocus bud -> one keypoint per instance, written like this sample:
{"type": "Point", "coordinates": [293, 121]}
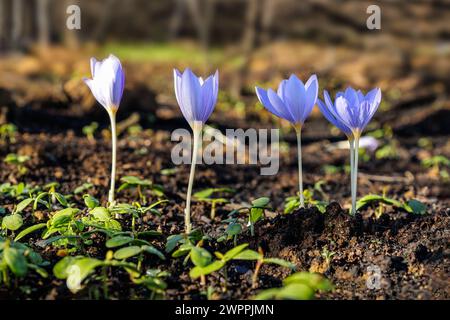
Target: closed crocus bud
{"type": "Point", "coordinates": [293, 102]}
{"type": "Point", "coordinates": [107, 83]}
{"type": "Point", "coordinates": [351, 112]}
{"type": "Point", "coordinates": [195, 96]}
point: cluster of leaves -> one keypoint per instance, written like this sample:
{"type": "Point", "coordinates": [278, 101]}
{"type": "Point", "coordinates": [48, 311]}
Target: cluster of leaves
{"type": "Point", "coordinates": [292, 203]}
{"type": "Point", "coordinates": [206, 195]}
{"type": "Point", "coordinates": [412, 206]}
{"type": "Point", "coordinates": [17, 259]}
{"type": "Point", "coordinates": [19, 161]}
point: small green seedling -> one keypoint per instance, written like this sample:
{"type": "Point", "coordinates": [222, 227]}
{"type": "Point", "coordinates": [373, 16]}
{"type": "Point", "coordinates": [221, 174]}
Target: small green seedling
{"type": "Point", "coordinates": [89, 130]}
{"type": "Point", "coordinates": [76, 269]}
{"type": "Point", "coordinates": [255, 212]}
{"type": "Point", "coordinates": [17, 259]}
{"type": "Point", "coordinates": [263, 260]}
{"type": "Point", "coordinates": [83, 188]}
{"type": "Point", "coordinates": [19, 162]}
{"type": "Point", "coordinates": [438, 165]}
{"type": "Point", "coordinates": [136, 211]}
{"type": "Point", "coordinates": [292, 203]}
{"type": "Point", "coordinates": [411, 206]}
{"type": "Point", "coordinates": [233, 229]}
{"type": "Point", "coordinates": [206, 195]}
{"type": "Point", "coordinates": [299, 286]}
{"type": "Point", "coordinates": [131, 182]}
{"type": "Point", "coordinates": [8, 132]}
{"type": "Point", "coordinates": [16, 191]}
{"type": "Point", "coordinates": [327, 255]}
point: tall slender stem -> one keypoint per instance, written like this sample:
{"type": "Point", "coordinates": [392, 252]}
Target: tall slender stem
{"type": "Point", "coordinates": [298, 130]}
{"type": "Point", "coordinates": [351, 142]}
{"type": "Point", "coordinates": [355, 175]}
{"type": "Point", "coordinates": [197, 128]}
{"type": "Point", "coordinates": [112, 116]}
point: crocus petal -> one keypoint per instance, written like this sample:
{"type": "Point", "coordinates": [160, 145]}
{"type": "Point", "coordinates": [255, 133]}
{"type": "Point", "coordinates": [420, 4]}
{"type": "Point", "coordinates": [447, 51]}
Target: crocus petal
{"type": "Point", "coordinates": [264, 99]}
{"type": "Point", "coordinates": [295, 98]}
{"type": "Point", "coordinates": [279, 105]}
{"type": "Point", "coordinates": [177, 84]}
{"type": "Point", "coordinates": [312, 91]}
{"type": "Point", "coordinates": [331, 118]}
{"type": "Point", "coordinates": [191, 94]}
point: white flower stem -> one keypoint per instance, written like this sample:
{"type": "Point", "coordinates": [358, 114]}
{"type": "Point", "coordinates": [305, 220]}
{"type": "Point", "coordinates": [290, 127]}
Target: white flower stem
{"type": "Point", "coordinates": [355, 174]}
{"type": "Point", "coordinates": [197, 128]}
{"type": "Point", "coordinates": [112, 116]}
{"type": "Point", "coordinates": [351, 142]}
{"type": "Point", "coordinates": [298, 130]}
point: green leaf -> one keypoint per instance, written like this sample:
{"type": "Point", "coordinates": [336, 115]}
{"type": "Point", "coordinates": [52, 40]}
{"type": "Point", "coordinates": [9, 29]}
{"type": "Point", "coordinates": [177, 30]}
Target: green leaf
{"type": "Point", "coordinates": [136, 181]}
{"type": "Point", "coordinates": [150, 233]}
{"type": "Point", "coordinates": [296, 291]}
{"type": "Point", "coordinates": [29, 230]}
{"type": "Point", "coordinates": [100, 213]}
{"type": "Point", "coordinates": [15, 261]}
{"type": "Point", "coordinates": [12, 222]}
{"type": "Point", "coordinates": [234, 229]}
{"type": "Point", "coordinates": [291, 205]}
{"type": "Point", "coordinates": [60, 268]}
{"type": "Point", "coordinates": [373, 198]}
{"type": "Point", "coordinates": [153, 250]}
{"type": "Point", "coordinates": [417, 207]}
{"type": "Point", "coordinates": [248, 255]}
{"type": "Point", "coordinates": [313, 280]}
{"type": "Point", "coordinates": [199, 271]}
{"type": "Point", "coordinates": [233, 252]}
{"type": "Point", "coordinates": [268, 294]}
{"type": "Point", "coordinates": [118, 241]}
{"type": "Point", "coordinates": [61, 199]}
{"type": "Point", "coordinates": [280, 262]}
{"type": "Point", "coordinates": [200, 257]}
{"type": "Point", "coordinates": [260, 202]}
{"type": "Point", "coordinates": [90, 201]}
{"type": "Point", "coordinates": [172, 241]}
{"type": "Point", "coordinates": [256, 214]}
{"type": "Point", "coordinates": [127, 252]}
{"type": "Point", "coordinates": [23, 204]}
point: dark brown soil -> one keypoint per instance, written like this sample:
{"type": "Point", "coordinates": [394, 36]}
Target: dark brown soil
{"type": "Point", "coordinates": [410, 250]}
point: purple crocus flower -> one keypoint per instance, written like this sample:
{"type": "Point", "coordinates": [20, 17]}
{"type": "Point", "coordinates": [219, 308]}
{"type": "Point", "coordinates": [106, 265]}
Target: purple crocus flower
{"type": "Point", "coordinates": [351, 112]}
{"type": "Point", "coordinates": [196, 98]}
{"type": "Point", "coordinates": [107, 84]}
{"type": "Point", "coordinates": [294, 102]}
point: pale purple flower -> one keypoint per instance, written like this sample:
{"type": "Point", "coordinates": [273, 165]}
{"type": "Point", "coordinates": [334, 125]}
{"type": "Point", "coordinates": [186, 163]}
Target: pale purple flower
{"type": "Point", "coordinates": [107, 83]}
{"type": "Point", "coordinates": [352, 110]}
{"type": "Point", "coordinates": [293, 100]}
{"type": "Point", "coordinates": [195, 96]}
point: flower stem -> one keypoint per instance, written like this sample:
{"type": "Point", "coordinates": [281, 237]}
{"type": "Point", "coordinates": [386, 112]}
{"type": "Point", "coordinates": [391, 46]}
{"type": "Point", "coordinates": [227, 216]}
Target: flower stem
{"type": "Point", "coordinates": [197, 128]}
{"type": "Point", "coordinates": [112, 116]}
{"type": "Point", "coordinates": [355, 174]}
{"type": "Point", "coordinates": [298, 130]}
{"type": "Point", "coordinates": [351, 142]}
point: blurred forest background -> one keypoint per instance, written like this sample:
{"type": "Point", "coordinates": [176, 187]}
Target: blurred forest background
{"type": "Point", "coordinates": [249, 41]}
